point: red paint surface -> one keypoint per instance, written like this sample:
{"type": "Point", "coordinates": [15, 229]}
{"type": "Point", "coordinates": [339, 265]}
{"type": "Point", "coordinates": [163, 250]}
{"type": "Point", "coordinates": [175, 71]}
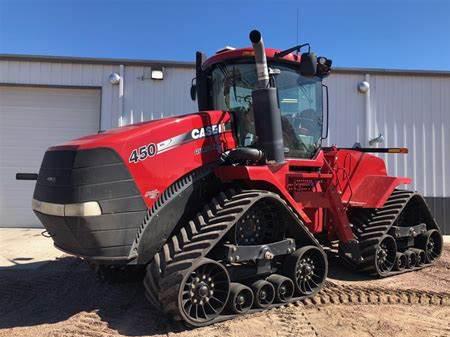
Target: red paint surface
{"type": "Point", "coordinates": [162, 170]}
{"type": "Point", "coordinates": [249, 53]}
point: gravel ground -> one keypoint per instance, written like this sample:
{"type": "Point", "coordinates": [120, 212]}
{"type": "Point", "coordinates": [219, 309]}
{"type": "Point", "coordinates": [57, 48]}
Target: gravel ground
{"type": "Point", "coordinates": [64, 298]}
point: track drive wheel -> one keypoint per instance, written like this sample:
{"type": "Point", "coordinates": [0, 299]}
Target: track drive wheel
{"type": "Point", "coordinates": [385, 255]}
{"type": "Point", "coordinates": [203, 292]}
{"type": "Point", "coordinates": [431, 243]}
{"type": "Point", "coordinates": [308, 268]}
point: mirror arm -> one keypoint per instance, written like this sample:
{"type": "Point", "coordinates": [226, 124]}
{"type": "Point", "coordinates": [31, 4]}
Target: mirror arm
{"type": "Point", "coordinates": [283, 53]}
{"type": "Point", "coordinates": [327, 112]}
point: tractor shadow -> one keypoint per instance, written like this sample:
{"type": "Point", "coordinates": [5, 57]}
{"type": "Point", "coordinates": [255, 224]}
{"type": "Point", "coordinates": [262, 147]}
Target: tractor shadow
{"type": "Point", "coordinates": [67, 287]}
{"type": "Point", "coordinates": [68, 292]}
{"type": "Point", "coordinates": [339, 270]}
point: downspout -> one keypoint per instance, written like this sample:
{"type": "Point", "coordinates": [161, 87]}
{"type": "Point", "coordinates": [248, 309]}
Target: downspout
{"type": "Point", "coordinates": [368, 112]}
{"type": "Point", "coordinates": [121, 98]}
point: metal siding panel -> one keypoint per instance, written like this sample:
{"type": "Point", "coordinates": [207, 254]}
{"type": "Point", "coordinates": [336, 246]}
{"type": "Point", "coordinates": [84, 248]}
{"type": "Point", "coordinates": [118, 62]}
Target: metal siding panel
{"type": "Point", "coordinates": [4, 66]}
{"type": "Point", "coordinates": [152, 99]}
{"type": "Point", "coordinates": [346, 125]}
{"type": "Point", "coordinates": [13, 72]}
{"type": "Point", "coordinates": [440, 208]}
{"type": "Point", "coordinates": [411, 111]}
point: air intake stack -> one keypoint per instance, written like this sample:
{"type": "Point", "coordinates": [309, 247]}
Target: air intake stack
{"type": "Point", "coordinates": [265, 106]}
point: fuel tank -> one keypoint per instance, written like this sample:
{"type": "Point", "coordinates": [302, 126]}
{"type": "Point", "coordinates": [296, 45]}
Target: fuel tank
{"type": "Point", "coordinates": [93, 193]}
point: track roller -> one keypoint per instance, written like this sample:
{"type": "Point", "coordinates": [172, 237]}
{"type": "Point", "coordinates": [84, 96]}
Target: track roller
{"type": "Point", "coordinates": [284, 287]}
{"type": "Point", "coordinates": [411, 258]}
{"type": "Point", "coordinates": [400, 262]}
{"type": "Point", "coordinates": [241, 298]}
{"type": "Point", "coordinates": [385, 255]}
{"type": "Point", "coordinates": [431, 243]}
{"type": "Point", "coordinates": [264, 293]}
{"type": "Point", "coordinates": [420, 256]}
{"type": "Point", "coordinates": [204, 292]}
{"type": "Point", "coordinates": [308, 268]}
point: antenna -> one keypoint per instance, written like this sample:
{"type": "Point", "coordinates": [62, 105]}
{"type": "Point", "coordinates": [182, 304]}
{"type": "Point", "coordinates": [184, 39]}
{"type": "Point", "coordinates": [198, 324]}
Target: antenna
{"type": "Point", "coordinates": [296, 42]}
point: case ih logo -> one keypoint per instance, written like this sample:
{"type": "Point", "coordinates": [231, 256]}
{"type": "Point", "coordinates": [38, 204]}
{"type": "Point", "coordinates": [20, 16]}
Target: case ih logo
{"type": "Point", "coordinates": [208, 131]}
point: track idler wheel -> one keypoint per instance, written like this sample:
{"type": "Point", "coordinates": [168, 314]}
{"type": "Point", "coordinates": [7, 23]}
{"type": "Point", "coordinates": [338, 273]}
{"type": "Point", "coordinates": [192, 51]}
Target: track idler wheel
{"type": "Point", "coordinates": [401, 262]}
{"type": "Point", "coordinates": [308, 268]}
{"type": "Point", "coordinates": [284, 287]}
{"type": "Point", "coordinates": [411, 258]}
{"type": "Point", "coordinates": [385, 255]}
{"type": "Point", "coordinates": [264, 293]}
{"type": "Point", "coordinates": [431, 243]}
{"type": "Point", "coordinates": [241, 298]}
{"type": "Point", "coordinates": [203, 292]}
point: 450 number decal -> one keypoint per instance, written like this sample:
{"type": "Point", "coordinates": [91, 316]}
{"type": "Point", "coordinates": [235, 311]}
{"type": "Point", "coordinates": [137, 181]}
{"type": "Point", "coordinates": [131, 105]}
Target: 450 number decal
{"type": "Point", "coordinates": [142, 153]}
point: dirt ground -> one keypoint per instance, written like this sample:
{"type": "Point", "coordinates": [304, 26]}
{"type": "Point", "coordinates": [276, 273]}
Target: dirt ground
{"type": "Point", "coordinates": [65, 299]}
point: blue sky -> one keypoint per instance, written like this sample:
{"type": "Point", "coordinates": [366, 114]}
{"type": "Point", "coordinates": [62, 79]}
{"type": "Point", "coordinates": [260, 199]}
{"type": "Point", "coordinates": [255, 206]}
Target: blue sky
{"type": "Point", "coordinates": [410, 34]}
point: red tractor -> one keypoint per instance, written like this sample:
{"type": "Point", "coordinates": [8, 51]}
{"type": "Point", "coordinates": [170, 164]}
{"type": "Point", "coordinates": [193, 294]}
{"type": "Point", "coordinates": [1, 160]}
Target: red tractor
{"type": "Point", "coordinates": [229, 208]}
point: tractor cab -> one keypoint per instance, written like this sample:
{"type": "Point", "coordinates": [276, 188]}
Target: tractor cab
{"type": "Point", "coordinates": [226, 81]}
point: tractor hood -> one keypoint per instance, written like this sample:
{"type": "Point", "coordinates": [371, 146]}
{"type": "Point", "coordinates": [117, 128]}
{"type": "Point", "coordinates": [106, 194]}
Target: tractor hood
{"type": "Point", "coordinates": [92, 193]}
{"type": "Point", "coordinates": [114, 137]}
{"type": "Point", "coordinates": [156, 136]}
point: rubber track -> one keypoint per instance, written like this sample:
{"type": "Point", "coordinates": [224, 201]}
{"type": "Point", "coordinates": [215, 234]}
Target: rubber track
{"type": "Point", "coordinates": [165, 273]}
{"type": "Point", "coordinates": [333, 293]}
{"type": "Point", "coordinates": [369, 225]}
{"type": "Point", "coordinates": [169, 194]}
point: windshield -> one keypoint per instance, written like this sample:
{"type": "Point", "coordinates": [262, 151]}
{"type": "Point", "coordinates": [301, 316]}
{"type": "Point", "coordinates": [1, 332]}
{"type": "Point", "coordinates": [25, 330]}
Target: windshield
{"type": "Point", "coordinates": [300, 100]}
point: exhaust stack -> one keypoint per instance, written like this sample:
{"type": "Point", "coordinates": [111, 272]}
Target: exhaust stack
{"type": "Point", "coordinates": [260, 59]}
{"type": "Point", "coordinates": [265, 106]}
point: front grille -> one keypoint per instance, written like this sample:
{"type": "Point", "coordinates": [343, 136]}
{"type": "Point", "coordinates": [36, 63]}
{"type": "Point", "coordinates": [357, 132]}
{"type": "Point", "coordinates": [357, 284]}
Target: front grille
{"type": "Point", "coordinates": [69, 176]}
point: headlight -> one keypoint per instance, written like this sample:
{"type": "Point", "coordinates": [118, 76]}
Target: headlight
{"type": "Point", "coordinates": [90, 208]}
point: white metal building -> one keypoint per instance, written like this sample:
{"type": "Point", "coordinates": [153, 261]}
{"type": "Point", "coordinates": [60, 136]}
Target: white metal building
{"type": "Point", "coordinates": [48, 100]}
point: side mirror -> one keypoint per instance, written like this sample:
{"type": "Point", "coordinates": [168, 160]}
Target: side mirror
{"type": "Point", "coordinates": [323, 66]}
{"type": "Point", "coordinates": [193, 92]}
{"type": "Point", "coordinates": [308, 64]}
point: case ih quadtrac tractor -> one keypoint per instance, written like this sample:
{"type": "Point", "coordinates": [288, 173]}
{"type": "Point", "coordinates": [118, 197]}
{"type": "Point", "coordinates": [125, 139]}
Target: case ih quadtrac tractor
{"type": "Point", "coordinates": [230, 208]}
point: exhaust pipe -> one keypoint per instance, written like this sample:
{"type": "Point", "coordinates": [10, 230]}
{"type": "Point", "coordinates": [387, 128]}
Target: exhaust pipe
{"type": "Point", "coordinates": [260, 59]}
{"type": "Point", "coordinates": [265, 106]}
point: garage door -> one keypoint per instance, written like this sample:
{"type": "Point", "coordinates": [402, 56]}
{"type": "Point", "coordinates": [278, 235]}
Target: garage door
{"type": "Point", "coordinates": [31, 120]}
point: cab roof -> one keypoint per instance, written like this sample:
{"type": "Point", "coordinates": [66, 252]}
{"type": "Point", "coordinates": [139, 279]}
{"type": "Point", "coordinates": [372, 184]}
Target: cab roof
{"type": "Point", "coordinates": [248, 52]}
